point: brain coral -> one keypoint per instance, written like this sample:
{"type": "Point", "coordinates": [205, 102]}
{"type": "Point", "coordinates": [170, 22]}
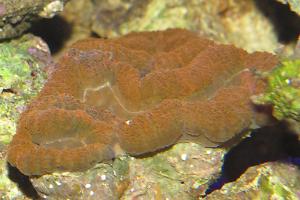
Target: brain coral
{"type": "Point", "coordinates": [137, 94]}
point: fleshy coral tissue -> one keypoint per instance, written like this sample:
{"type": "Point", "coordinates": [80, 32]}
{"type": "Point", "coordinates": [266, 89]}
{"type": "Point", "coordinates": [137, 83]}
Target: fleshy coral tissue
{"type": "Point", "coordinates": [137, 94]}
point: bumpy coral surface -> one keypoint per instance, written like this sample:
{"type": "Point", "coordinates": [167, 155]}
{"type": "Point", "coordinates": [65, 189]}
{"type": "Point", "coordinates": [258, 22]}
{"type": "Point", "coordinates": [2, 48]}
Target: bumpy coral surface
{"type": "Point", "coordinates": [137, 94]}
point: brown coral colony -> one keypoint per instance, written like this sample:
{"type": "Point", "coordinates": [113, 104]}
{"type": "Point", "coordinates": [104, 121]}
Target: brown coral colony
{"type": "Point", "coordinates": [137, 94]}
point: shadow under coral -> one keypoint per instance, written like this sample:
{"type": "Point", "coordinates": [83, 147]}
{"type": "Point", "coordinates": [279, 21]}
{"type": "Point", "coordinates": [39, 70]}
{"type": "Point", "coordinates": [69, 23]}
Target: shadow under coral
{"type": "Point", "coordinates": [274, 143]}
{"type": "Point", "coordinates": [23, 182]}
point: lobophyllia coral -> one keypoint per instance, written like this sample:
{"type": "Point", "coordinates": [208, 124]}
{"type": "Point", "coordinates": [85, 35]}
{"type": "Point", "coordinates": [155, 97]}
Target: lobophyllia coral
{"type": "Point", "coordinates": [137, 94]}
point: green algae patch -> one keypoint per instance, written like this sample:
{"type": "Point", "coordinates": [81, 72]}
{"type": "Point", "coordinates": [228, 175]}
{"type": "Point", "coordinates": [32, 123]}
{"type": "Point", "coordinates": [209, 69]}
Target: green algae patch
{"type": "Point", "coordinates": [273, 180]}
{"type": "Point", "coordinates": [121, 166]}
{"type": "Point", "coordinates": [184, 170]}
{"type": "Point", "coordinates": [21, 77]}
{"type": "Point", "coordinates": [270, 185]}
{"type": "Point", "coordinates": [283, 91]}
{"type": "Point", "coordinates": [274, 186]}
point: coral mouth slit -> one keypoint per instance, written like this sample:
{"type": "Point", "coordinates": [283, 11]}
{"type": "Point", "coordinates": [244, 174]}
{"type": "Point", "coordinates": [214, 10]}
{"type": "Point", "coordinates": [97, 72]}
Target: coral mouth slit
{"type": "Point", "coordinates": [107, 85]}
{"type": "Point", "coordinates": [64, 143]}
{"type": "Point", "coordinates": [138, 94]}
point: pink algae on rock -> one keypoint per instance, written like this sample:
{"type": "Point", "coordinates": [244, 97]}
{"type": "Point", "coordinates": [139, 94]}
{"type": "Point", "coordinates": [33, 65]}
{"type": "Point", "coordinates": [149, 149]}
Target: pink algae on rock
{"type": "Point", "coordinates": [137, 94]}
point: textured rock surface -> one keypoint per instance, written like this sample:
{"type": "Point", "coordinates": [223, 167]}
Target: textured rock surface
{"type": "Point", "coordinates": [227, 21]}
{"type": "Point", "coordinates": [22, 75]}
{"type": "Point", "coordinates": [16, 15]}
{"type": "Point", "coordinates": [139, 94]}
{"type": "Point", "coordinates": [294, 5]}
{"type": "Point", "coordinates": [99, 182]}
{"type": "Point", "coordinates": [267, 181]}
{"type": "Point", "coordinates": [185, 170]}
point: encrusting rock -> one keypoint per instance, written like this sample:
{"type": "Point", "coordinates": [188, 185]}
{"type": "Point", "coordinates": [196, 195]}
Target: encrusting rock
{"type": "Point", "coordinates": [16, 15]}
{"type": "Point", "coordinates": [137, 94]}
{"type": "Point", "coordinates": [272, 180]}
